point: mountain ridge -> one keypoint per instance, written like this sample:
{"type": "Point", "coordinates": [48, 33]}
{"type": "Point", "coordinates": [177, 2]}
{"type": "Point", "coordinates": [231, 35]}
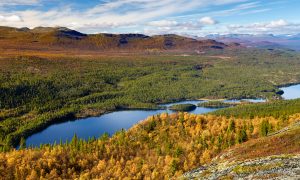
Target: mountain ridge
{"type": "Point", "coordinates": [61, 38]}
{"type": "Point", "coordinates": [260, 40]}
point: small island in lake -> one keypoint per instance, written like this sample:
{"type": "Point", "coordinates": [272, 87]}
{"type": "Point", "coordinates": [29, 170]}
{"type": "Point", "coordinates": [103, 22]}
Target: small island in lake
{"type": "Point", "coordinates": [216, 104]}
{"type": "Point", "coordinates": [222, 104]}
{"type": "Point", "coordinates": [183, 107]}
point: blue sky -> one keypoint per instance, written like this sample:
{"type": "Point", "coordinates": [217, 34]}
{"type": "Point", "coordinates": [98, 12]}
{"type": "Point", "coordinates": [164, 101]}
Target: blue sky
{"type": "Point", "coordinates": [190, 17]}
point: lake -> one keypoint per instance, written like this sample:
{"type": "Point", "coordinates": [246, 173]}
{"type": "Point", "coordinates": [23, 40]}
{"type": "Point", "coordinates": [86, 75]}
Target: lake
{"type": "Point", "coordinates": [96, 126]}
{"type": "Point", "coordinates": [291, 92]}
{"type": "Point", "coordinates": [114, 121]}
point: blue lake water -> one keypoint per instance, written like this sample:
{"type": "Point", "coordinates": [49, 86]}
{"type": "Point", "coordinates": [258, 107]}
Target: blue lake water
{"type": "Point", "coordinates": [96, 126]}
{"type": "Point", "coordinates": [249, 100]}
{"type": "Point", "coordinates": [291, 92]}
{"type": "Point", "coordinates": [112, 122]}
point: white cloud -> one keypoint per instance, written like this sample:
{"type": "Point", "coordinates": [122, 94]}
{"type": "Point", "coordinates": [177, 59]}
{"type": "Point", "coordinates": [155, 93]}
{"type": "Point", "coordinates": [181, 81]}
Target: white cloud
{"type": "Point", "coordinates": [256, 11]}
{"type": "Point", "coordinates": [132, 15]}
{"type": "Point", "coordinates": [266, 25]}
{"type": "Point", "coordinates": [238, 9]}
{"type": "Point", "coordinates": [207, 21]}
{"type": "Point", "coordinates": [18, 2]}
{"type": "Point", "coordinates": [12, 18]}
{"type": "Point", "coordinates": [154, 16]}
{"type": "Point", "coordinates": [276, 24]}
{"type": "Point", "coordinates": [172, 27]}
{"type": "Point", "coordinates": [276, 27]}
{"type": "Point", "coordinates": [108, 15]}
{"type": "Point", "coordinates": [163, 23]}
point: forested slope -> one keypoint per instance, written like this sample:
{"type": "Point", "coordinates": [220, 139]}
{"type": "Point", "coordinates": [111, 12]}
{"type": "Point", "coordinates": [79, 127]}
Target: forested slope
{"type": "Point", "coordinates": [37, 91]}
{"type": "Point", "coordinates": [279, 109]}
{"type": "Point", "coordinates": [64, 40]}
{"type": "Point", "coordinates": [162, 146]}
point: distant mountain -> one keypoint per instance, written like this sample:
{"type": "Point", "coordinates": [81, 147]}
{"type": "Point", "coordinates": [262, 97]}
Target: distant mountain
{"type": "Point", "coordinates": [261, 40]}
{"type": "Point", "coordinates": [295, 37]}
{"type": "Point", "coordinates": [61, 38]}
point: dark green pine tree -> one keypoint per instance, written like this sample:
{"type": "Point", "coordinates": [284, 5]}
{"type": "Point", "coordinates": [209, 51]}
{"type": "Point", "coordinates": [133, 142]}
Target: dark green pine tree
{"type": "Point", "coordinates": [23, 143]}
{"type": "Point", "coordinates": [265, 128]}
{"type": "Point", "coordinates": [231, 127]}
{"type": "Point", "coordinates": [242, 136]}
{"type": "Point", "coordinates": [74, 142]}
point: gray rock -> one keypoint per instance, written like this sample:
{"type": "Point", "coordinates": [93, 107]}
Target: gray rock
{"type": "Point", "coordinates": [272, 167]}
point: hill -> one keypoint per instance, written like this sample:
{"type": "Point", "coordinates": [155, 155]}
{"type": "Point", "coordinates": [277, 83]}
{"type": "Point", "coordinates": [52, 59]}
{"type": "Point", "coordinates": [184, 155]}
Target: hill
{"type": "Point", "coordinates": [64, 39]}
{"type": "Point", "coordinates": [260, 40]}
{"type": "Point", "coordinates": [164, 146]}
{"type": "Point", "coordinates": [39, 90]}
{"type": "Point", "coordinates": [275, 156]}
{"type": "Point", "coordinates": [279, 109]}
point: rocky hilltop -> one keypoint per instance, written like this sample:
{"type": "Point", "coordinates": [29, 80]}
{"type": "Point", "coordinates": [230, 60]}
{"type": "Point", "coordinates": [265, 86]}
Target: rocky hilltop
{"type": "Point", "coordinates": [273, 157]}
{"type": "Point", "coordinates": [271, 167]}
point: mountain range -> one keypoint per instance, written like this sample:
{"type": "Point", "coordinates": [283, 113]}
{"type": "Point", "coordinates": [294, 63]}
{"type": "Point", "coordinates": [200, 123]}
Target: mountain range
{"type": "Point", "coordinates": [62, 39]}
{"type": "Point", "coordinates": [260, 40]}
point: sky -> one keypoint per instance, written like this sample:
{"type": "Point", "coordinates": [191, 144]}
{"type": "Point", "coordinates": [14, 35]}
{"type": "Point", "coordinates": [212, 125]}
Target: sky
{"type": "Point", "coordinates": [184, 17]}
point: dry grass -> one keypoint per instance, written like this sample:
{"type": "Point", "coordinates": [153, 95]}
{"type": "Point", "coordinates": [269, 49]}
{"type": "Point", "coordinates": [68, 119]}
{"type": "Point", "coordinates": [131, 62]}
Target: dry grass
{"type": "Point", "coordinates": [285, 143]}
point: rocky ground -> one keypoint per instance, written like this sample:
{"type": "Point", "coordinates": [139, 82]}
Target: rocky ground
{"type": "Point", "coordinates": [229, 165]}
{"type": "Point", "coordinates": [272, 167]}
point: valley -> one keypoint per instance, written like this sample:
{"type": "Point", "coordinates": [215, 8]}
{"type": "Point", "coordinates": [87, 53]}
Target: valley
{"type": "Point", "coordinates": [116, 108]}
{"type": "Point", "coordinates": [41, 90]}
{"type": "Point", "coordinates": [149, 89]}
{"type": "Point", "coordinates": [167, 145]}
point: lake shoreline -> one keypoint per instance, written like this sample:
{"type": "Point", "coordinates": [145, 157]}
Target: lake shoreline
{"type": "Point", "coordinates": [82, 114]}
{"type": "Point", "coordinates": [291, 92]}
{"type": "Point", "coordinates": [288, 85]}
{"type": "Point", "coordinates": [79, 116]}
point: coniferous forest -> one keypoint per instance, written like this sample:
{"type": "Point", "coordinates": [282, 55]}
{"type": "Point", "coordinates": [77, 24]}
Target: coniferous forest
{"type": "Point", "coordinates": [149, 89]}
{"type": "Point", "coordinates": [37, 91]}
{"type": "Point", "coordinates": [163, 146]}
